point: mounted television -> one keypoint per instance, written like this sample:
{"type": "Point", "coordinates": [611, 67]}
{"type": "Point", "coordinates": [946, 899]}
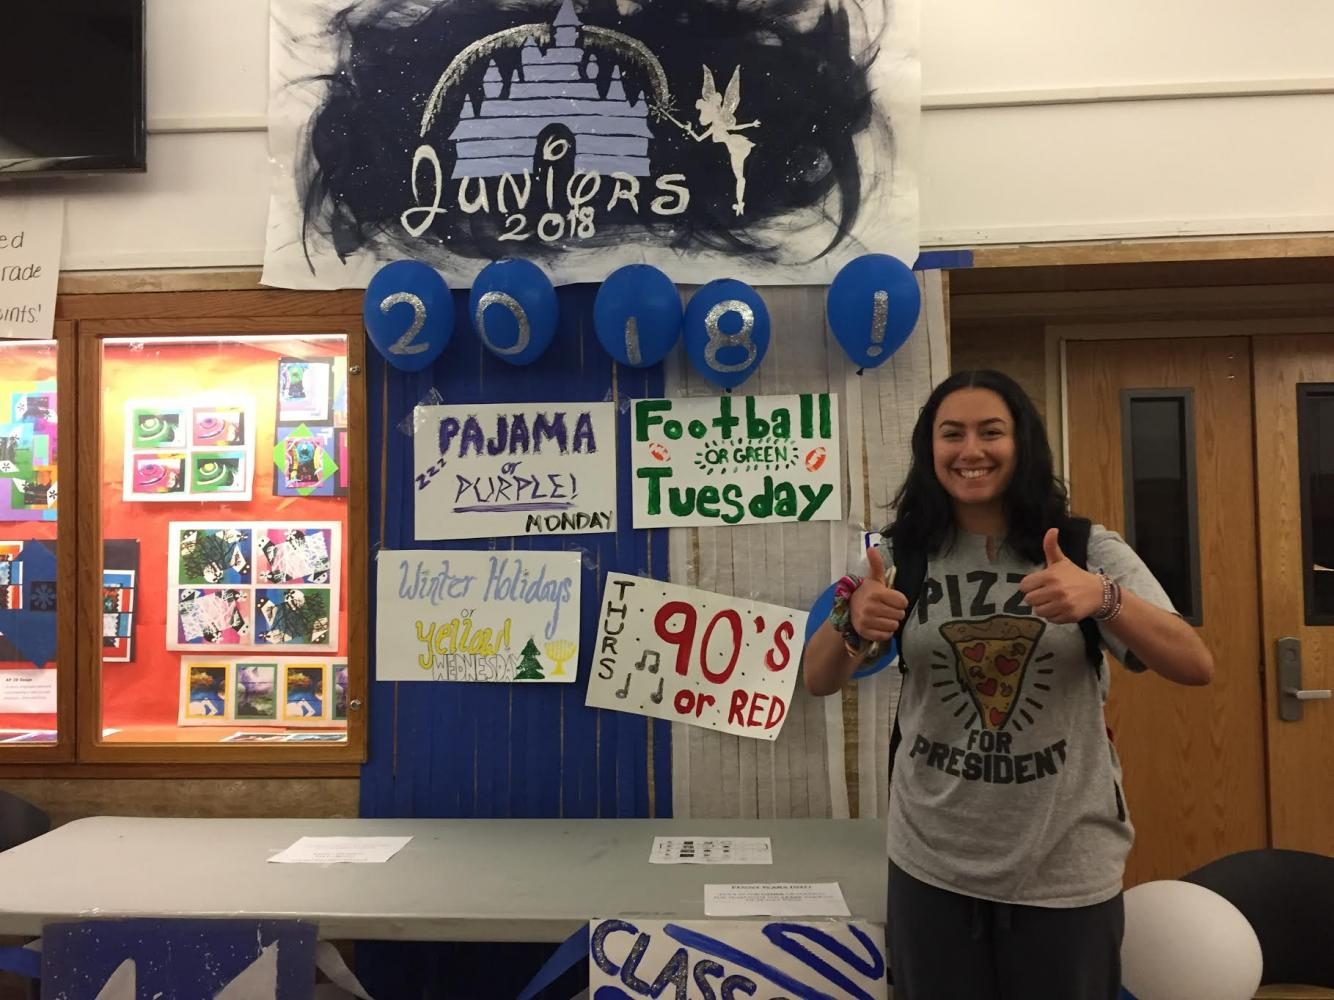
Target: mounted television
{"type": "Point", "coordinates": [72, 87]}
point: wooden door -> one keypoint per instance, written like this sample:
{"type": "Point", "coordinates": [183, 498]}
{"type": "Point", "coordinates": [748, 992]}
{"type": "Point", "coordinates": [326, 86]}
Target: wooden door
{"type": "Point", "coordinates": [1193, 757]}
{"type": "Point", "coordinates": [1294, 423]}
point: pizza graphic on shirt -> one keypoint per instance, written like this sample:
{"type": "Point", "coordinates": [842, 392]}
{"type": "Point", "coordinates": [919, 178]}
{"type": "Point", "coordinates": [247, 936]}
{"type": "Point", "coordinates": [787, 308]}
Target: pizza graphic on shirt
{"type": "Point", "coordinates": [990, 658]}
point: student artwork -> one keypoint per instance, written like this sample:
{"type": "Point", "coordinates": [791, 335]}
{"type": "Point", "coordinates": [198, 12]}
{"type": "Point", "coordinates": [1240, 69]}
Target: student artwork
{"type": "Point", "coordinates": [120, 579]}
{"type": "Point", "coordinates": [28, 602]}
{"type": "Point", "coordinates": [305, 390]}
{"type": "Point", "coordinates": [179, 451]}
{"type": "Point", "coordinates": [303, 461]}
{"type": "Point", "coordinates": [28, 434]}
{"type": "Point", "coordinates": [253, 585]}
{"type": "Point", "coordinates": [477, 616]}
{"type": "Point", "coordinates": [454, 133]}
{"type": "Point", "coordinates": [629, 959]}
{"type": "Point", "coordinates": [735, 460]}
{"type": "Point", "coordinates": [514, 469]}
{"type": "Point", "coordinates": [285, 691]}
{"type": "Point", "coordinates": [691, 656]}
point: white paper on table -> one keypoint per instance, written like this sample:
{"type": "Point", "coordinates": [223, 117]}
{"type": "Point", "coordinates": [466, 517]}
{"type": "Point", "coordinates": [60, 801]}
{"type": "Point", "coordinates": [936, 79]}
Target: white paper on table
{"type": "Point", "coordinates": [333, 850]}
{"type": "Point", "coordinates": [787, 899]}
{"type": "Point", "coordinates": [711, 851]}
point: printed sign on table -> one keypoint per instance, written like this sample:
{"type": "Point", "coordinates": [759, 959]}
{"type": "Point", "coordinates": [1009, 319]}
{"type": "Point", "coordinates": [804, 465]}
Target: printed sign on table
{"type": "Point", "coordinates": [736, 460]}
{"type": "Point", "coordinates": [515, 469]}
{"type": "Point", "coordinates": [477, 616]}
{"type": "Point", "coordinates": [691, 656]}
{"type": "Point", "coordinates": [702, 959]}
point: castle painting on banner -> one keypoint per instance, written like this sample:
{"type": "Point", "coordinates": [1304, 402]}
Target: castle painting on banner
{"type": "Point", "coordinates": [773, 140]}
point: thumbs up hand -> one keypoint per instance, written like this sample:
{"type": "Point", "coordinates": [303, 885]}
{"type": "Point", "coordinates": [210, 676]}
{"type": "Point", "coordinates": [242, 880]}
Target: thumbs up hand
{"type": "Point", "coordinates": [1062, 593]}
{"type": "Point", "coordinates": [876, 610]}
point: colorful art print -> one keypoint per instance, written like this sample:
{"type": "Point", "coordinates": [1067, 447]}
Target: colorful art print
{"type": "Point", "coordinates": [179, 450]}
{"type": "Point", "coordinates": [118, 592]}
{"type": "Point", "coordinates": [688, 655]}
{"type": "Point", "coordinates": [304, 689]}
{"type": "Point", "coordinates": [292, 616]}
{"type": "Point", "coordinates": [340, 691]}
{"type": "Point", "coordinates": [340, 391]}
{"type": "Point", "coordinates": [256, 694]}
{"type": "Point", "coordinates": [715, 460]}
{"type": "Point", "coordinates": [481, 616]}
{"type": "Point", "coordinates": [224, 572]}
{"type": "Point", "coordinates": [221, 472]}
{"type": "Point", "coordinates": [772, 141]}
{"type": "Point", "coordinates": [294, 554]}
{"type": "Point", "coordinates": [159, 473]}
{"type": "Point", "coordinates": [213, 616]}
{"type": "Point", "coordinates": [28, 602]}
{"type": "Point", "coordinates": [213, 555]}
{"type": "Point", "coordinates": [264, 692]}
{"type": "Point", "coordinates": [760, 958]}
{"type": "Point", "coordinates": [158, 427]}
{"type": "Point", "coordinates": [494, 470]}
{"type": "Point", "coordinates": [303, 460]}
{"type": "Point", "coordinates": [218, 427]}
{"type": "Point", "coordinates": [305, 388]}
{"type": "Point", "coordinates": [343, 482]}
{"type": "Point", "coordinates": [28, 455]}
{"type": "Point", "coordinates": [206, 691]}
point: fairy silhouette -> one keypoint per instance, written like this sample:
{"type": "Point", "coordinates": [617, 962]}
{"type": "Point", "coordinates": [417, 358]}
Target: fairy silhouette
{"type": "Point", "coordinates": [717, 119]}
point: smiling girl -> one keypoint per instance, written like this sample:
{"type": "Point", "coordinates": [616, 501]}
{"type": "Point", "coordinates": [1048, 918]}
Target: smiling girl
{"type": "Point", "coordinates": [1008, 831]}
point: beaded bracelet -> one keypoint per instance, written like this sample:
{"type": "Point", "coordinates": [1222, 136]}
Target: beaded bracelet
{"type": "Point", "coordinates": [840, 616]}
{"type": "Point", "coordinates": [1111, 600]}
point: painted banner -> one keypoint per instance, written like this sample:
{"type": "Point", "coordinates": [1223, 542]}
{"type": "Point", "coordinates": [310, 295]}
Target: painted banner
{"type": "Point", "coordinates": [732, 663]}
{"type": "Point", "coordinates": [514, 469]}
{"type": "Point", "coordinates": [705, 959]}
{"type": "Point", "coordinates": [477, 616]}
{"type": "Point", "coordinates": [253, 585]}
{"type": "Point", "coordinates": [736, 460]}
{"type": "Point", "coordinates": [771, 141]}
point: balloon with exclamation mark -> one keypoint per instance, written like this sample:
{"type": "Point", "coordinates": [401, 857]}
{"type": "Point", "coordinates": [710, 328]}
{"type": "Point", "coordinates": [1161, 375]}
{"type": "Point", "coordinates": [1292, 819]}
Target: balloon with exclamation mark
{"type": "Point", "coordinates": [872, 307]}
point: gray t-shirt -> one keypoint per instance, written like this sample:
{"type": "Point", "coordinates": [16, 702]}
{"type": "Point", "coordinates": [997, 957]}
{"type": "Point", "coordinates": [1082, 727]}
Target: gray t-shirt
{"type": "Point", "coordinates": [1006, 785]}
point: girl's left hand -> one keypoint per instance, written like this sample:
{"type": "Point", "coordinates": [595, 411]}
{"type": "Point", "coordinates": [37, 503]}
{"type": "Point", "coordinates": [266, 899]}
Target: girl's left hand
{"type": "Point", "coordinates": [1062, 593]}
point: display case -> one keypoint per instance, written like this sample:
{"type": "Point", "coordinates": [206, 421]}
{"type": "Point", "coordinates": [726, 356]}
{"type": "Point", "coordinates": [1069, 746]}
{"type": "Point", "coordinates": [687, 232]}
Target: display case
{"type": "Point", "coordinates": [36, 605]}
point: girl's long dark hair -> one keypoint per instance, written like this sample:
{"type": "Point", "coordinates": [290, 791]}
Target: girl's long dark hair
{"type": "Point", "coordinates": [1035, 500]}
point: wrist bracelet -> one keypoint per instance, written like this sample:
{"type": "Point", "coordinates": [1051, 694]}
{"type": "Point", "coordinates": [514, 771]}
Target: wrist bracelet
{"type": "Point", "coordinates": [840, 616]}
{"type": "Point", "coordinates": [1111, 600]}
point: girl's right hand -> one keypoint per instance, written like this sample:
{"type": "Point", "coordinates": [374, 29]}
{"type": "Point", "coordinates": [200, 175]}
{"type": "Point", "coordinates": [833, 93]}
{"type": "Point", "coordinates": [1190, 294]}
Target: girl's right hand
{"type": "Point", "coordinates": [877, 610]}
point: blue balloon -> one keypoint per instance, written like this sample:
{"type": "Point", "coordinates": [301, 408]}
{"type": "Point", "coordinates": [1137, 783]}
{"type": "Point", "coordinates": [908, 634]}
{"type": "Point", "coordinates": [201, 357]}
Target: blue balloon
{"type": "Point", "coordinates": [637, 315]}
{"type": "Point", "coordinates": [409, 314]}
{"type": "Point", "coordinates": [872, 307]}
{"type": "Point", "coordinates": [820, 614]}
{"type": "Point", "coordinates": [727, 331]}
{"type": "Point", "coordinates": [513, 309]}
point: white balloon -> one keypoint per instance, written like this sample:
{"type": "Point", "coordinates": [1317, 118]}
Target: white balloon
{"type": "Point", "coordinates": [1186, 942]}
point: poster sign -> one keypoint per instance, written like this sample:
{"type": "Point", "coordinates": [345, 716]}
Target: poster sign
{"type": "Point", "coordinates": [718, 460]}
{"type": "Point", "coordinates": [688, 655]}
{"type": "Point", "coordinates": [586, 135]}
{"type": "Point", "coordinates": [253, 585]}
{"type": "Point", "coordinates": [32, 231]}
{"type": "Point", "coordinates": [477, 616]}
{"type": "Point", "coordinates": [704, 959]}
{"type": "Point", "coordinates": [514, 469]}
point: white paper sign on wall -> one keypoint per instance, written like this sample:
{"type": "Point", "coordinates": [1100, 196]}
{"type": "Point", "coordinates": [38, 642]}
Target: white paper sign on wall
{"type": "Point", "coordinates": [477, 616]}
{"type": "Point", "coordinates": [508, 469]}
{"type": "Point", "coordinates": [32, 231]}
{"type": "Point", "coordinates": [722, 460]}
{"type": "Point", "coordinates": [688, 655]}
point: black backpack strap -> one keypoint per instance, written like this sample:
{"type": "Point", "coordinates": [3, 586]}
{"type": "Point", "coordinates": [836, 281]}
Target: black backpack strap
{"type": "Point", "coordinates": [1074, 540]}
{"type": "Point", "coordinates": [909, 574]}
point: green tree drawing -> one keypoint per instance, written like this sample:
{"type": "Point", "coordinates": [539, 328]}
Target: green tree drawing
{"type": "Point", "coordinates": [529, 668]}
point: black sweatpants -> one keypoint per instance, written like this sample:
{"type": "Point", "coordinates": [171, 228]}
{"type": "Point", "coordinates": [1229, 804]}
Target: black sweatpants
{"type": "Point", "coordinates": [945, 946]}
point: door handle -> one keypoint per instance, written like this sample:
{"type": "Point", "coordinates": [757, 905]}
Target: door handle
{"type": "Point", "coordinates": [1291, 694]}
